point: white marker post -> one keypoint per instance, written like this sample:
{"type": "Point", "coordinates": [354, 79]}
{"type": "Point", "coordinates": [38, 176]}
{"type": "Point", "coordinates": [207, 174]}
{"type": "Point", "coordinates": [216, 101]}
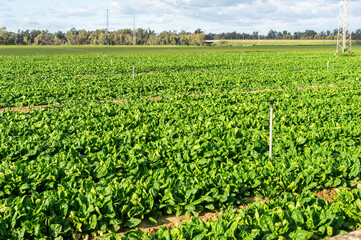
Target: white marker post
{"type": "Point", "coordinates": [133, 71]}
{"type": "Point", "coordinates": [328, 64]}
{"type": "Point", "coordinates": [271, 127]}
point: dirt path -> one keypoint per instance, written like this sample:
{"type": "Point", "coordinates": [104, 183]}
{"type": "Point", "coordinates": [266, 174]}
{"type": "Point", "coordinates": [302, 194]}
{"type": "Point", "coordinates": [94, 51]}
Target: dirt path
{"type": "Point", "coordinates": [351, 236]}
{"type": "Point", "coordinates": [29, 109]}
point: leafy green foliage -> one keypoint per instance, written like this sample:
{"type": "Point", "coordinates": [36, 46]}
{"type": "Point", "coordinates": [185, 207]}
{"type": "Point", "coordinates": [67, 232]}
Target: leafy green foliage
{"type": "Point", "coordinates": [89, 167]}
{"type": "Point", "coordinates": [36, 80]}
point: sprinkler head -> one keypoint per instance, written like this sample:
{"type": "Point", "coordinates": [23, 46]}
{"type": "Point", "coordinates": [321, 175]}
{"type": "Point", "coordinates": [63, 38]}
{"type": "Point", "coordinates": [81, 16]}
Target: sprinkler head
{"type": "Point", "coordinates": [271, 101]}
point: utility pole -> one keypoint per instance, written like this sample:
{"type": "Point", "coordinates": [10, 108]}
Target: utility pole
{"type": "Point", "coordinates": [107, 27]}
{"type": "Point", "coordinates": [344, 28]}
{"type": "Point", "coordinates": [133, 69]}
{"type": "Point", "coordinates": [134, 33]}
{"type": "Point", "coordinates": [271, 127]}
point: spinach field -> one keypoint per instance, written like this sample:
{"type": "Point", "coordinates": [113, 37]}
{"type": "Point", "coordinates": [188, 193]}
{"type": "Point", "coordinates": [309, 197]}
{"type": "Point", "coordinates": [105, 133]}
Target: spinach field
{"type": "Point", "coordinates": [188, 135]}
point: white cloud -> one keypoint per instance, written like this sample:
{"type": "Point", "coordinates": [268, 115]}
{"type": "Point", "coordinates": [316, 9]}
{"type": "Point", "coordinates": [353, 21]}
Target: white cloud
{"type": "Point", "coordinates": [76, 12]}
{"type": "Point", "coordinates": [209, 15]}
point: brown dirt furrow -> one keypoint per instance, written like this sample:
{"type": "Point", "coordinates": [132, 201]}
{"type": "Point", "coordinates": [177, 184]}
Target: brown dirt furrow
{"type": "Point", "coordinates": [114, 101]}
{"type": "Point", "coordinates": [83, 75]}
{"type": "Point", "coordinates": [154, 98]}
{"type": "Point", "coordinates": [351, 236]}
{"type": "Point", "coordinates": [316, 87]}
{"type": "Point", "coordinates": [199, 94]}
{"type": "Point", "coordinates": [116, 74]}
{"type": "Point", "coordinates": [172, 221]}
{"type": "Point", "coordinates": [264, 90]}
{"type": "Point", "coordinates": [26, 109]}
{"type": "Point", "coordinates": [327, 194]}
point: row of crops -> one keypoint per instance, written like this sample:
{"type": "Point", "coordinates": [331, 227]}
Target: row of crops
{"type": "Point", "coordinates": [285, 217]}
{"type": "Point", "coordinates": [88, 167]}
{"type": "Point", "coordinates": [39, 80]}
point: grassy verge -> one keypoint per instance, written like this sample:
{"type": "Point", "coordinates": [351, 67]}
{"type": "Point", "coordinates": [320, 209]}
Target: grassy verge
{"type": "Point", "coordinates": [100, 50]}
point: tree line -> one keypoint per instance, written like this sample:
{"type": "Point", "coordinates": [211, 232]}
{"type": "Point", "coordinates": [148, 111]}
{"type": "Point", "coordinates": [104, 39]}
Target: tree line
{"type": "Point", "coordinates": [149, 37]}
{"type": "Point", "coordinates": [272, 34]}
{"type": "Point", "coordinates": [101, 37]}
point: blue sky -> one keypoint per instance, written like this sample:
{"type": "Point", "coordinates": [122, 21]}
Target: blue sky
{"type": "Point", "coordinates": [210, 15]}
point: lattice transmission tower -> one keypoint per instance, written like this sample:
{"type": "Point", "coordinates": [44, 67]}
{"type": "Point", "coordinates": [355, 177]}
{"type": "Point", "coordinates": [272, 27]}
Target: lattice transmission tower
{"type": "Point", "coordinates": [344, 44]}
{"type": "Point", "coordinates": [107, 29]}
{"type": "Point", "coordinates": [134, 33]}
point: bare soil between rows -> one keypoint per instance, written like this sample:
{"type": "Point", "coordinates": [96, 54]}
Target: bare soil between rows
{"type": "Point", "coordinates": [117, 74]}
{"type": "Point", "coordinates": [171, 221]}
{"type": "Point", "coordinates": [351, 236]}
{"type": "Point", "coordinates": [27, 109]}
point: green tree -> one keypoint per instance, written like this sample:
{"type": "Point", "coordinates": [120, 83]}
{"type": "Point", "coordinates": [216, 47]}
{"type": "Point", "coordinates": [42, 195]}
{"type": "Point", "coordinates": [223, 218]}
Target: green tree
{"type": "Point", "coordinates": [71, 36]}
{"type": "Point", "coordinates": [3, 36]}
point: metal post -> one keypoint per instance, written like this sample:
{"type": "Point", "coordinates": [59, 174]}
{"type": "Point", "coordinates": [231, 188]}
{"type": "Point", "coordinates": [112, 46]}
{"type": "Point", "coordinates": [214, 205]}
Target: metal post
{"type": "Point", "coordinates": [349, 20]}
{"type": "Point", "coordinates": [328, 64]}
{"type": "Point", "coordinates": [107, 33]}
{"type": "Point", "coordinates": [134, 33]}
{"type": "Point", "coordinates": [133, 71]}
{"type": "Point", "coordinates": [271, 128]}
{"type": "Point", "coordinates": [344, 35]}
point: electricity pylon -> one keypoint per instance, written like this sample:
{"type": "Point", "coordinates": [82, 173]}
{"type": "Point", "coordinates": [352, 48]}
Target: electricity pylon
{"type": "Point", "coordinates": [107, 31]}
{"type": "Point", "coordinates": [134, 33]}
{"type": "Point", "coordinates": [344, 28]}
